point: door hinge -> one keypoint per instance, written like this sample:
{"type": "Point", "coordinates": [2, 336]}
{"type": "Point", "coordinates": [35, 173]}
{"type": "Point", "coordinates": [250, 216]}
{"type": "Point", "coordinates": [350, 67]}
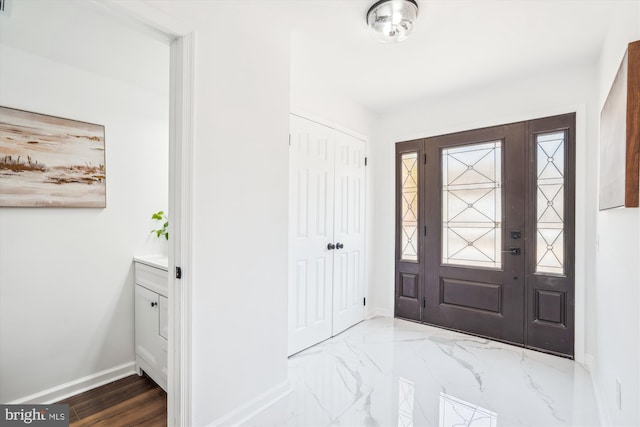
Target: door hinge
{"type": "Point", "coordinates": [178, 273]}
{"type": "Point", "coordinates": [365, 161]}
{"type": "Point", "coordinates": [425, 230]}
{"type": "Point", "coordinates": [424, 303]}
{"type": "Point", "coordinates": [425, 158]}
{"type": "Point", "coordinates": [364, 301]}
{"type": "Point", "coordinates": [289, 139]}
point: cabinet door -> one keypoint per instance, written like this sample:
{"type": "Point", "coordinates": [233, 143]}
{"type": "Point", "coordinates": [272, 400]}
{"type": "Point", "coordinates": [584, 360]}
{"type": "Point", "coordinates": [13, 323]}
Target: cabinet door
{"type": "Point", "coordinates": [147, 325]}
{"type": "Point", "coordinates": [349, 233]}
{"type": "Point", "coordinates": [164, 317]}
{"type": "Point", "coordinates": [311, 188]}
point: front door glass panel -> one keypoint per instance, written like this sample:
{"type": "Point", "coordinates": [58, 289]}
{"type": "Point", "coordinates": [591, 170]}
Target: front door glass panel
{"type": "Point", "coordinates": [409, 249]}
{"type": "Point", "coordinates": [550, 160]}
{"type": "Point", "coordinates": [472, 205]}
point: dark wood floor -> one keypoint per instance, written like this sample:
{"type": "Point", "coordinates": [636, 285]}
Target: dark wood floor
{"type": "Point", "coordinates": [131, 401]}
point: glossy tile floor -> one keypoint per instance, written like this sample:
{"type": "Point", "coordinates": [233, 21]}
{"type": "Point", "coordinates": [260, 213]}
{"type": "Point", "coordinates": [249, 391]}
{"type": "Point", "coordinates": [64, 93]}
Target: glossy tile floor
{"type": "Point", "coordinates": [389, 372]}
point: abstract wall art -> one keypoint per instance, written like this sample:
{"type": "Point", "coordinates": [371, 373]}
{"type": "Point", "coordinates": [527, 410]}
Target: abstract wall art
{"type": "Point", "coordinates": [48, 161]}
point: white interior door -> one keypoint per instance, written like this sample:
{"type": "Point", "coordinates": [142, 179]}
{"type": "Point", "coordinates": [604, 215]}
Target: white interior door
{"type": "Point", "coordinates": [349, 232]}
{"type": "Point", "coordinates": [311, 187]}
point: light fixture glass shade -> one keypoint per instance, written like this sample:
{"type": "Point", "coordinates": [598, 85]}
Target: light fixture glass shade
{"type": "Point", "coordinates": [392, 21]}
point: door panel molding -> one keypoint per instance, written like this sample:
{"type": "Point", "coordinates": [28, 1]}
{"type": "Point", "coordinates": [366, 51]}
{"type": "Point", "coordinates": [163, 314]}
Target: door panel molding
{"type": "Point", "coordinates": [349, 234]}
{"type": "Point", "coordinates": [471, 295]}
{"type": "Point", "coordinates": [311, 262]}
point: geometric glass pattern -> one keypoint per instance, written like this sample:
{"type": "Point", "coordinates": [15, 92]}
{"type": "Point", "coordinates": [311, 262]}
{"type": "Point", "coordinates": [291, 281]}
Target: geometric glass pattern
{"type": "Point", "coordinates": [472, 205]}
{"type": "Point", "coordinates": [409, 212]}
{"type": "Point", "coordinates": [550, 149]}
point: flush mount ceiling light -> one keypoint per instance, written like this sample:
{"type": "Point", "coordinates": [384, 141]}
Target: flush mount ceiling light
{"type": "Point", "coordinates": [392, 21]}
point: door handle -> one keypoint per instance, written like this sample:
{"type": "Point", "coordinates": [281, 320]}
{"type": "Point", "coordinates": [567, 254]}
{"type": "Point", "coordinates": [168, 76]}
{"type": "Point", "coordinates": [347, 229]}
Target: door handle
{"type": "Point", "coordinates": [514, 251]}
{"type": "Point", "coordinates": [331, 246]}
{"type": "Point", "coordinates": [339, 245]}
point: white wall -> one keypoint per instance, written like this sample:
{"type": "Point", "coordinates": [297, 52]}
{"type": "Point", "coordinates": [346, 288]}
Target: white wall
{"type": "Point", "coordinates": [330, 108]}
{"type": "Point", "coordinates": [240, 205]}
{"type": "Point", "coordinates": [537, 95]}
{"type": "Point", "coordinates": [617, 290]}
{"type": "Point", "coordinates": [66, 275]}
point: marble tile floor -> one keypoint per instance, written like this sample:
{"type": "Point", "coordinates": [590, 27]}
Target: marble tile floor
{"type": "Point", "coordinates": [389, 372]}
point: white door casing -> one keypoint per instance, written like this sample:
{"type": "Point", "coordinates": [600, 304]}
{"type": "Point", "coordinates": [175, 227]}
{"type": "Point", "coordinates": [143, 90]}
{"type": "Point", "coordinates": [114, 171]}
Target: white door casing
{"type": "Point", "coordinates": [181, 39]}
{"type": "Point", "coordinates": [326, 207]}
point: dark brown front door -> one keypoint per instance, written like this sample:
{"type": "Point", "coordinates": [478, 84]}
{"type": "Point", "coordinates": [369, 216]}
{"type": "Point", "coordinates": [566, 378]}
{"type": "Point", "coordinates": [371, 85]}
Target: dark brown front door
{"type": "Point", "coordinates": [485, 232]}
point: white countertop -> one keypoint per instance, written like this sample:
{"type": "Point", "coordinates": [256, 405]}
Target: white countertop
{"type": "Point", "coordinates": [157, 261]}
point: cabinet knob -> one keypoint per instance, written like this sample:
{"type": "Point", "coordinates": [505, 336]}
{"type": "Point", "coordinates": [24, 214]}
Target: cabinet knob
{"type": "Point", "coordinates": [331, 246]}
{"type": "Point", "coordinates": [339, 245]}
{"type": "Point", "coordinates": [153, 304]}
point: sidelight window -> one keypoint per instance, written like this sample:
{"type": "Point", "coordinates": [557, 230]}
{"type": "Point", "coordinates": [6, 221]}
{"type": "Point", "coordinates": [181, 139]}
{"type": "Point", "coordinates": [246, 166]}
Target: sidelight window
{"type": "Point", "coordinates": [409, 213]}
{"type": "Point", "coordinates": [550, 183]}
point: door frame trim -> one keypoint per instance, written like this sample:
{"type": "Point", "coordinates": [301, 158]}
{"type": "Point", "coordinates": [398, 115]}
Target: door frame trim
{"type": "Point", "coordinates": [181, 40]}
{"type": "Point", "coordinates": [585, 244]}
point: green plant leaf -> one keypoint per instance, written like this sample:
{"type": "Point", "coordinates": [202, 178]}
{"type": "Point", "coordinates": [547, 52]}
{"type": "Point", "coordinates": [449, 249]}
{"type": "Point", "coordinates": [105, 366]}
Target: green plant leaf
{"type": "Point", "coordinates": [160, 216]}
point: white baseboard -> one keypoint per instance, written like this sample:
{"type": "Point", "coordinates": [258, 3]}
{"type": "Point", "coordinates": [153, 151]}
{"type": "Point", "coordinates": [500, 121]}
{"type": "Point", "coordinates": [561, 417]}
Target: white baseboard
{"type": "Point", "coordinates": [377, 312]}
{"type": "Point", "coordinates": [57, 393]}
{"type": "Point", "coordinates": [590, 362]}
{"type": "Point", "coordinates": [254, 407]}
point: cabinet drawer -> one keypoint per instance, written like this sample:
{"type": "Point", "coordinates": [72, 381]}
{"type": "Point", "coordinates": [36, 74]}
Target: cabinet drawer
{"type": "Point", "coordinates": [152, 278]}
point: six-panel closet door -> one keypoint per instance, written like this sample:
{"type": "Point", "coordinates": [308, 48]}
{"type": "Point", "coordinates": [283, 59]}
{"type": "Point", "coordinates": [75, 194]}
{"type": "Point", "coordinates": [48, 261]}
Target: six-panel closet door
{"type": "Point", "coordinates": [326, 232]}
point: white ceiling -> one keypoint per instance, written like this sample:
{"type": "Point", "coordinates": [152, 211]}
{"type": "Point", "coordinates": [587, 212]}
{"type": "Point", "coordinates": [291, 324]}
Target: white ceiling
{"type": "Point", "coordinates": [457, 44]}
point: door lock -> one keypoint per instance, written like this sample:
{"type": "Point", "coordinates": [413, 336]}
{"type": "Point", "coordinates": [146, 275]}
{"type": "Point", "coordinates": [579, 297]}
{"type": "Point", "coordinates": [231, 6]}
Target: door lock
{"type": "Point", "coordinates": [516, 234]}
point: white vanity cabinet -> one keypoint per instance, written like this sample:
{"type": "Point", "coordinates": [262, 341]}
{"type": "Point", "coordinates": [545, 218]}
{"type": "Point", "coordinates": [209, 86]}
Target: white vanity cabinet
{"type": "Point", "coordinates": [151, 317]}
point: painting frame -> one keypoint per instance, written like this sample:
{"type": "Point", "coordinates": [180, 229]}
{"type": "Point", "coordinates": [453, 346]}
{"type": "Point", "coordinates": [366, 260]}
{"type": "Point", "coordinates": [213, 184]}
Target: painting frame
{"type": "Point", "coordinates": [51, 161]}
{"type": "Point", "coordinates": [619, 184]}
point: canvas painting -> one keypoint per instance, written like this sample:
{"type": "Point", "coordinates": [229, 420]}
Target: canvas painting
{"type": "Point", "coordinates": [48, 161]}
{"type": "Point", "coordinates": [612, 142]}
{"type": "Point", "coordinates": [620, 136]}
